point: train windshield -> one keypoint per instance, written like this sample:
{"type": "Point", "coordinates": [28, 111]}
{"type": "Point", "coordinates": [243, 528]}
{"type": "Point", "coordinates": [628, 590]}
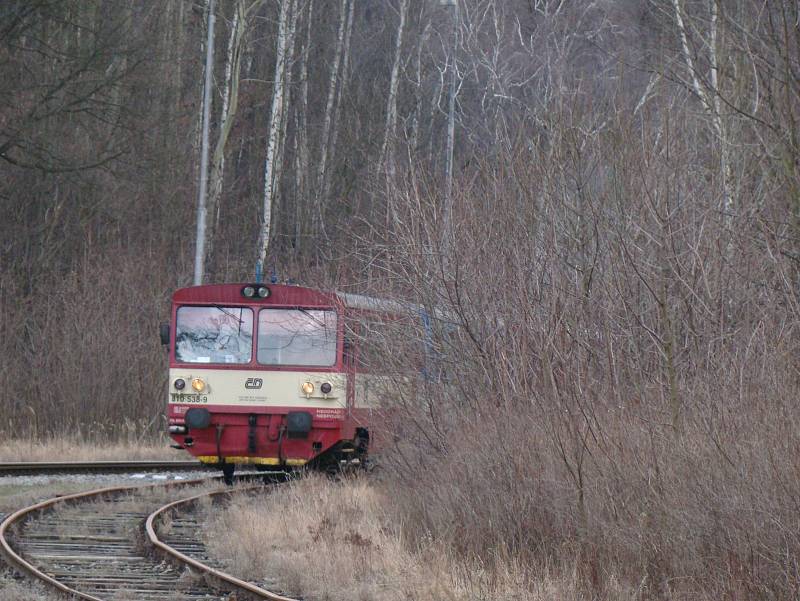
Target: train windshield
{"type": "Point", "coordinates": [214, 335]}
{"type": "Point", "coordinates": [297, 337]}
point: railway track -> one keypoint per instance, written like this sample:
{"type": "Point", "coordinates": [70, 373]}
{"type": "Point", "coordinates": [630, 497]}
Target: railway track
{"type": "Point", "coordinates": [17, 468]}
{"type": "Point", "coordinates": [104, 545]}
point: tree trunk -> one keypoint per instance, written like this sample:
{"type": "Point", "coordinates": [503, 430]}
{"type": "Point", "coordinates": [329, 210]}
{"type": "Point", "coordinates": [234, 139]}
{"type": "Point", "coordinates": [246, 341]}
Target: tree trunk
{"type": "Point", "coordinates": [271, 168]}
{"type": "Point", "coordinates": [710, 97]}
{"type": "Point", "coordinates": [301, 157]}
{"type": "Point", "coordinates": [345, 78]}
{"type": "Point", "coordinates": [451, 134]}
{"type": "Point", "coordinates": [387, 158]}
{"type": "Point", "coordinates": [418, 93]}
{"type": "Point", "coordinates": [230, 103]}
{"type": "Point", "coordinates": [280, 150]}
{"type": "Point", "coordinates": [327, 123]}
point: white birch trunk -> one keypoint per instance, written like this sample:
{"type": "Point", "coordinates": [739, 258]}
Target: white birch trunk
{"type": "Point", "coordinates": [289, 62]}
{"type": "Point", "coordinates": [451, 132]}
{"type": "Point", "coordinates": [280, 151]}
{"type": "Point", "coordinates": [345, 78]}
{"type": "Point", "coordinates": [415, 122]}
{"type": "Point", "coordinates": [274, 131]}
{"type": "Point", "coordinates": [230, 101]}
{"type": "Point", "coordinates": [301, 156]}
{"type": "Point", "coordinates": [333, 81]}
{"type": "Point", "coordinates": [387, 158]}
{"type": "Point", "coordinates": [710, 97]}
{"type": "Point", "coordinates": [387, 155]}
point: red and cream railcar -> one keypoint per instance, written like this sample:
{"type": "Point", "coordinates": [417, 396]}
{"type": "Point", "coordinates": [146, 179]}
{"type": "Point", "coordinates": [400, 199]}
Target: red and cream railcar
{"type": "Point", "coordinates": [266, 375]}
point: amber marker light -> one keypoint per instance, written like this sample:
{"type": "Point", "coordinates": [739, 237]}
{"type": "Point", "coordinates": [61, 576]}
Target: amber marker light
{"type": "Point", "coordinates": [307, 387]}
{"type": "Point", "coordinates": [198, 384]}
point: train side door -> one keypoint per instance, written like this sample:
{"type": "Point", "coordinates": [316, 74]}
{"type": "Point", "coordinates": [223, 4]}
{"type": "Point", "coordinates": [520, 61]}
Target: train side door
{"type": "Point", "coordinates": [349, 360]}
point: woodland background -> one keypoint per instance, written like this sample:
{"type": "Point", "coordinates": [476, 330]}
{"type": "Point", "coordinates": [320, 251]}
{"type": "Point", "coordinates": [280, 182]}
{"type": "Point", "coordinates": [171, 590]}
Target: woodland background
{"type": "Point", "coordinates": [620, 251]}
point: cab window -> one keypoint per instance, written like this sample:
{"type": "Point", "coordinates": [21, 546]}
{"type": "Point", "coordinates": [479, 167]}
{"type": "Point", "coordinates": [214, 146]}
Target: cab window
{"type": "Point", "coordinates": [305, 337]}
{"type": "Point", "coordinates": [214, 335]}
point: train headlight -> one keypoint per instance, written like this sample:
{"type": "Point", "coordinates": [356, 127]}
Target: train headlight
{"type": "Point", "coordinates": [326, 388]}
{"type": "Point", "coordinates": [198, 384]}
{"type": "Point", "coordinates": [179, 384]}
{"type": "Point", "coordinates": [263, 292]}
{"type": "Point", "coordinates": [307, 387]}
{"type": "Point", "coordinates": [248, 291]}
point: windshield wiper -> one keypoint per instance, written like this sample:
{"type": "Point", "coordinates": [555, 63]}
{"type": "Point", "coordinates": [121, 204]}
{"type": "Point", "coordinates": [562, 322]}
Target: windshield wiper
{"type": "Point", "coordinates": [317, 320]}
{"type": "Point", "coordinates": [231, 315]}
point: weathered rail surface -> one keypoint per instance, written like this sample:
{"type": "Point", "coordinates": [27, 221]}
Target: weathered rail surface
{"type": "Point", "coordinates": [70, 467]}
{"type": "Point", "coordinates": [91, 545]}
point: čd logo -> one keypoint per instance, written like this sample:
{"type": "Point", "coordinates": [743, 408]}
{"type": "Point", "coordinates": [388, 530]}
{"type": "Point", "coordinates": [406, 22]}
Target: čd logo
{"type": "Point", "coordinates": [253, 383]}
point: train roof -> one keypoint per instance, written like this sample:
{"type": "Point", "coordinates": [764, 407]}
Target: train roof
{"type": "Point", "coordinates": [280, 294]}
{"type": "Point", "coordinates": [284, 294]}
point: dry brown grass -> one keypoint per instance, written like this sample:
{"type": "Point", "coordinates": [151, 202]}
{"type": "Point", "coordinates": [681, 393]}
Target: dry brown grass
{"type": "Point", "coordinates": [321, 539]}
{"type": "Point", "coordinates": [16, 590]}
{"type": "Point", "coordinates": [14, 495]}
{"type": "Point", "coordinates": [68, 449]}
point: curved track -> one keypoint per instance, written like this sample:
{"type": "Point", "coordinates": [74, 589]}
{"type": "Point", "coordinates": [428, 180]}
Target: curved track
{"type": "Point", "coordinates": [90, 545]}
{"type": "Point", "coordinates": [181, 546]}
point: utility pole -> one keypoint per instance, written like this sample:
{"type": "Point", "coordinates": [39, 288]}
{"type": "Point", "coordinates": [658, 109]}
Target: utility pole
{"type": "Point", "coordinates": [451, 128]}
{"type": "Point", "coordinates": [202, 212]}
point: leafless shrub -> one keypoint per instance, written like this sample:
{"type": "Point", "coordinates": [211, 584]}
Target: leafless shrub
{"type": "Point", "coordinates": [617, 359]}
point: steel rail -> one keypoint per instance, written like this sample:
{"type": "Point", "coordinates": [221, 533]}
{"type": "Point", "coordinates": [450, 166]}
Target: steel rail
{"type": "Point", "coordinates": [16, 560]}
{"type": "Point", "coordinates": [58, 467]}
{"type": "Point", "coordinates": [206, 569]}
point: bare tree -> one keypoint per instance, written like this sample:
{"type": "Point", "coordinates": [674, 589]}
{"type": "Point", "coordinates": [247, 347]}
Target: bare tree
{"type": "Point", "coordinates": [301, 145]}
{"type": "Point", "coordinates": [326, 145]}
{"type": "Point", "coordinates": [276, 132]}
{"type": "Point", "coordinates": [387, 158]}
{"type": "Point", "coordinates": [88, 61]}
{"type": "Point", "coordinates": [227, 116]}
{"type": "Point", "coordinates": [706, 87]}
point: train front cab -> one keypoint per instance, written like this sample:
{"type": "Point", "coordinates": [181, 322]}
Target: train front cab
{"type": "Point", "coordinates": [260, 375]}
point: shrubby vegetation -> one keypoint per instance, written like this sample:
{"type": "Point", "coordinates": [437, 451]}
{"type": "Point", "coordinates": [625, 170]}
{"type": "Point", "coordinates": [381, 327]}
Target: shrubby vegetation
{"type": "Point", "coordinates": [617, 394]}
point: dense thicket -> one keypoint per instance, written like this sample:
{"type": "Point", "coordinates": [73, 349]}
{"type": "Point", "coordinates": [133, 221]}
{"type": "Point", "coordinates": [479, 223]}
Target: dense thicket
{"type": "Point", "coordinates": [619, 258]}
